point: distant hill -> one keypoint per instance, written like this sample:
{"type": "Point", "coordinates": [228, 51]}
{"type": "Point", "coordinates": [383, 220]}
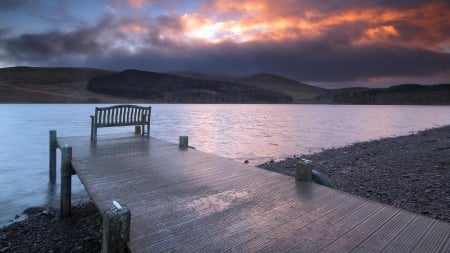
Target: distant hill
{"type": "Point", "coordinates": [88, 85]}
{"type": "Point", "coordinates": [407, 94]}
{"type": "Point", "coordinates": [300, 92]}
{"type": "Point", "coordinates": [50, 85]}
{"type": "Point", "coordinates": [171, 88]}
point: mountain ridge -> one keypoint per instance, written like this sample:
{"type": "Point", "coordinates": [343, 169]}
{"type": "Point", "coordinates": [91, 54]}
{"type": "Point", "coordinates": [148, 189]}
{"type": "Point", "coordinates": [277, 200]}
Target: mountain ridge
{"type": "Point", "coordinates": [170, 88]}
{"type": "Point", "coordinates": [25, 84]}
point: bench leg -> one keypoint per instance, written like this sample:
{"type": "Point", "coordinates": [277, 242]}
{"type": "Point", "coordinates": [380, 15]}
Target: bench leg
{"type": "Point", "coordinates": [92, 127]}
{"type": "Point", "coordinates": [95, 135]}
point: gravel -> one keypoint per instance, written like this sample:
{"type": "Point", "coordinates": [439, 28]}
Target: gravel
{"type": "Point", "coordinates": [410, 172]}
{"type": "Point", "coordinates": [44, 231]}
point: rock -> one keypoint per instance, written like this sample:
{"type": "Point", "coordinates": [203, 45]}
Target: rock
{"type": "Point", "coordinates": [46, 232]}
{"type": "Point", "coordinates": [404, 170]}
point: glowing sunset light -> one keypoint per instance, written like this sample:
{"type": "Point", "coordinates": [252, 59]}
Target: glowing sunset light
{"type": "Point", "coordinates": [133, 29]}
{"type": "Point", "coordinates": [137, 3]}
{"type": "Point", "coordinates": [378, 34]}
{"type": "Point", "coordinates": [311, 41]}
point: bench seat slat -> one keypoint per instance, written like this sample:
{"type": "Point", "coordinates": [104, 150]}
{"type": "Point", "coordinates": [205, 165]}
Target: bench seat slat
{"type": "Point", "coordinates": [121, 115]}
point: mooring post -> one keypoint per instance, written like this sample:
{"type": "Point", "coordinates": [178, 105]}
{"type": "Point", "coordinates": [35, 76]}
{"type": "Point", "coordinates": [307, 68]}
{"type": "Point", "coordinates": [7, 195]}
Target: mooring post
{"type": "Point", "coordinates": [184, 142]}
{"type": "Point", "coordinates": [137, 130]}
{"type": "Point", "coordinates": [116, 229]}
{"type": "Point", "coordinates": [52, 157]}
{"type": "Point", "coordinates": [303, 170]}
{"type": "Point", "coordinates": [66, 181]}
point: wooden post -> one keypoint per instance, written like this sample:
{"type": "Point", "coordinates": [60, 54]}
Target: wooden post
{"type": "Point", "coordinates": [116, 229]}
{"type": "Point", "coordinates": [52, 156]}
{"type": "Point", "coordinates": [184, 142]}
{"type": "Point", "coordinates": [66, 181]}
{"type": "Point", "coordinates": [137, 130]}
{"type": "Point", "coordinates": [303, 170]}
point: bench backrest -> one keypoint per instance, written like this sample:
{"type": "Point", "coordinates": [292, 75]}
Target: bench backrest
{"type": "Point", "coordinates": [121, 115]}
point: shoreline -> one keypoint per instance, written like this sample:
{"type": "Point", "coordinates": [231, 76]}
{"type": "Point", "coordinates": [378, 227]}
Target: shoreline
{"type": "Point", "coordinates": [410, 172]}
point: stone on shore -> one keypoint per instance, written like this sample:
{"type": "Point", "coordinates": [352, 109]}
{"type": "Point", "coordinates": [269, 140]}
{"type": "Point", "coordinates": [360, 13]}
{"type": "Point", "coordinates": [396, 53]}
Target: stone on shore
{"type": "Point", "coordinates": [410, 172]}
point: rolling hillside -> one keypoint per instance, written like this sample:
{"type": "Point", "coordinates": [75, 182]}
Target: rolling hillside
{"type": "Point", "coordinates": [300, 92]}
{"type": "Point", "coordinates": [87, 85]}
{"type": "Point", "coordinates": [170, 88]}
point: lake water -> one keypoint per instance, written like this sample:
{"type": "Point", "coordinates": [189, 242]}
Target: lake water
{"type": "Point", "coordinates": [257, 133]}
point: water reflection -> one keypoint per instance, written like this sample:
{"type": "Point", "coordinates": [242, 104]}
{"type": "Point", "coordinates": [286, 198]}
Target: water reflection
{"type": "Point", "coordinates": [256, 133]}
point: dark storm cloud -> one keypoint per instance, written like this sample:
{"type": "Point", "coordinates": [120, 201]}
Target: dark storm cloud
{"type": "Point", "coordinates": [85, 43]}
{"type": "Point", "coordinates": [342, 46]}
{"type": "Point", "coordinates": [321, 61]}
{"type": "Point", "coordinates": [12, 5]}
{"type": "Point", "coordinates": [330, 58]}
{"type": "Point", "coordinates": [312, 61]}
{"type": "Point", "coordinates": [46, 46]}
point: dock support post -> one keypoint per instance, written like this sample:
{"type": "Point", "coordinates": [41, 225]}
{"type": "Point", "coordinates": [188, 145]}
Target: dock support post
{"type": "Point", "coordinates": [52, 156]}
{"type": "Point", "coordinates": [303, 170]}
{"type": "Point", "coordinates": [137, 130]}
{"type": "Point", "coordinates": [116, 229]}
{"type": "Point", "coordinates": [66, 181]}
{"type": "Point", "coordinates": [184, 142]}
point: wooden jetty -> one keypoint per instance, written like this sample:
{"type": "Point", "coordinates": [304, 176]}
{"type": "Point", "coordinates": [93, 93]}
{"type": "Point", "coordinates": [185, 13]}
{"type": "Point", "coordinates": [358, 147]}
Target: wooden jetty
{"type": "Point", "coordinates": [184, 200]}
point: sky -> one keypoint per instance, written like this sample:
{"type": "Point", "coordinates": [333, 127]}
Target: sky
{"type": "Point", "coordinates": [328, 43]}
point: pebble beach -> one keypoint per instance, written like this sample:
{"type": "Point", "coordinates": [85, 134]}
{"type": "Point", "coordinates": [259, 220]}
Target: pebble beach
{"type": "Point", "coordinates": [410, 172]}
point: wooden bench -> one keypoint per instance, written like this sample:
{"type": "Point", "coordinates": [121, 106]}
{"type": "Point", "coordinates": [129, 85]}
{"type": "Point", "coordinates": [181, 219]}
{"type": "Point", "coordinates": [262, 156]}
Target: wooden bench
{"type": "Point", "coordinates": [121, 115]}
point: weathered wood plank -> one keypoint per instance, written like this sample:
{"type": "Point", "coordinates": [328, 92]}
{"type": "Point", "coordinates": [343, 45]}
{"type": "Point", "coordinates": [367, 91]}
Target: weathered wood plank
{"type": "Point", "coordinates": [66, 181]}
{"type": "Point", "coordinates": [410, 235]}
{"type": "Point", "coordinates": [333, 240]}
{"type": "Point", "coordinates": [52, 156]}
{"type": "Point", "coordinates": [266, 216]}
{"type": "Point", "coordinates": [187, 200]}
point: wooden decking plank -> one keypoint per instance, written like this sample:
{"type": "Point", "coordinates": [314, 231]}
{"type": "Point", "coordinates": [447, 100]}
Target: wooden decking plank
{"type": "Point", "coordinates": [220, 219]}
{"type": "Point", "coordinates": [410, 235]}
{"type": "Point", "coordinates": [380, 238]}
{"type": "Point", "coordinates": [150, 179]}
{"type": "Point", "coordinates": [345, 240]}
{"type": "Point", "coordinates": [142, 178]}
{"type": "Point", "coordinates": [170, 192]}
{"type": "Point", "coordinates": [252, 197]}
{"type": "Point", "coordinates": [281, 230]}
{"type": "Point", "coordinates": [306, 242]}
{"type": "Point", "coordinates": [214, 239]}
{"type": "Point", "coordinates": [186, 175]}
{"type": "Point", "coordinates": [216, 183]}
{"type": "Point", "coordinates": [256, 226]}
{"type": "Point", "coordinates": [289, 241]}
{"type": "Point", "coordinates": [188, 200]}
{"type": "Point", "coordinates": [198, 207]}
{"type": "Point", "coordinates": [435, 240]}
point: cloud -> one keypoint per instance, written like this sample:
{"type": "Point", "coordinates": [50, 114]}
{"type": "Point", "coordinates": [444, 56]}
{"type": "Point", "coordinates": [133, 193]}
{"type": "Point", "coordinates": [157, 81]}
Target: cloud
{"type": "Point", "coordinates": [13, 5]}
{"type": "Point", "coordinates": [308, 41]}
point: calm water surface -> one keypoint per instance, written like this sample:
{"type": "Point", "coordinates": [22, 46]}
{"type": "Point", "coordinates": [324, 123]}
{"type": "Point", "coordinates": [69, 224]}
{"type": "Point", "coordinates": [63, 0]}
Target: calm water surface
{"type": "Point", "coordinates": [256, 133]}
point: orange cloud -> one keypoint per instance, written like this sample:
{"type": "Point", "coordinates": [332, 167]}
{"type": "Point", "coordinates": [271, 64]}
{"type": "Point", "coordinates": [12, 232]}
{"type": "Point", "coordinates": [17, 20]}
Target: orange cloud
{"type": "Point", "coordinates": [378, 34]}
{"type": "Point", "coordinates": [424, 26]}
{"type": "Point", "coordinates": [133, 28]}
{"type": "Point", "coordinates": [136, 3]}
